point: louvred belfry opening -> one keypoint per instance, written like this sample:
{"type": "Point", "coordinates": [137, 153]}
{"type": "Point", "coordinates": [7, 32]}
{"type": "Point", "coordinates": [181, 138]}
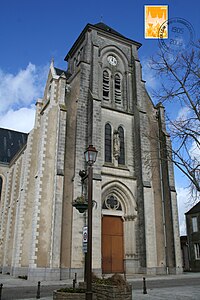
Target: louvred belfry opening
{"type": "Point", "coordinates": [118, 94]}
{"type": "Point", "coordinates": [106, 85]}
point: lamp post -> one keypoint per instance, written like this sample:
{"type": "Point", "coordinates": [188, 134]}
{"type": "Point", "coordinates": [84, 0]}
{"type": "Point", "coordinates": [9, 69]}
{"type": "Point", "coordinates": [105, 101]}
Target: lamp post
{"type": "Point", "coordinates": [90, 158]}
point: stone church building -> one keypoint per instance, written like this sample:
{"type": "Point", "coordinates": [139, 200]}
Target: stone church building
{"type": "Point", "coordinates": [99, 100]}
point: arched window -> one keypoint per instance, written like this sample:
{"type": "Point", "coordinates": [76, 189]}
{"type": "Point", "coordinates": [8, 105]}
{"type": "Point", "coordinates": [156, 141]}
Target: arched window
{"type": "Point", "coordinates": [74, 64]}
{"type": "Point", "coordinates": [121, 159]}
{"type": "Point", "coordinates": [78, 58]}
{"type": "Point", "coordinates": [1, 185]}
{"type": "Point", "coordinates": [108, 143]}
{"type": "Point", "coordinates": [106, 86]}
{"type": "Point", "coordinates": [49, 92]}
{"type": "Point", "coordinates": [118, 92]}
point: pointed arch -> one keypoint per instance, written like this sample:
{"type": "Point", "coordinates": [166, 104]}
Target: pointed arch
{"type": "Point", "coordinates": [123, 194]}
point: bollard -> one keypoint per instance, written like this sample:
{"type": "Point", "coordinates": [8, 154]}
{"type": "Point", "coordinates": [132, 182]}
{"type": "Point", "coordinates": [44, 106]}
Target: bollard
{"type": "Point", "coordinates": [75, 281]}
{"type": "Point", "coordinates": [74, 284]}
{"type": "Point", "coordinates": [144, 286]}
{"type": "Point", "coordinates": [38, 291]}
{"type": "Point", "coordinates": [75, 277]}
{"type": "Point", "coordinates": [1, 287]}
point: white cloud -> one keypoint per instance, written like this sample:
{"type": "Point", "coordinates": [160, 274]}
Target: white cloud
{"type": "Point", "coordinates": [21, 89]}
{"type": "Point", "coordinates": [19, 120]}
{"type": "Point", "coordinates": [149, 75]}
{"type": "Point", "coordinates": [18, 93]}
{"type": "Point", "coordinates": [183, 113]}
{"type": "Point", "coordinates": [195, 151]}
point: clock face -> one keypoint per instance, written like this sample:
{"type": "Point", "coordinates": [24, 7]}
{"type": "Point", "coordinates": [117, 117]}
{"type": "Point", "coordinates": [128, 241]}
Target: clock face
{"type": "Point", "coordinates": [112, 60]}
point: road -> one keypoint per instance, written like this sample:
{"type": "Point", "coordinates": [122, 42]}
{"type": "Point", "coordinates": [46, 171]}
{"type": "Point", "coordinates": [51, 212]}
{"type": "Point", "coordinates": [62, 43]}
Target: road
{"type": "Point", "coordinates": [156, 284]}
{"type": "Point", "coordinates": [176, 288]}
{"type": "Point", "coordinates": [155, 288]}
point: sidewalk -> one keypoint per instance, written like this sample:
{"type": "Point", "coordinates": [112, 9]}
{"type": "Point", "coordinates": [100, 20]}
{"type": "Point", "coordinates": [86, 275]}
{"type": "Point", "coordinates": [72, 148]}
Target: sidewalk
{"type": "Point", "coordinates": [10, 281]}
{"type": "Point", "coordinates": [179, 292]}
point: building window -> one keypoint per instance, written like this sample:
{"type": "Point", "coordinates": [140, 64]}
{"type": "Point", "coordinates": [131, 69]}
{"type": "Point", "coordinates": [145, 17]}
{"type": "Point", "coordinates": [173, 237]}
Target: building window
{"type": "Point", "coordinates": [78, 58]}
{"type": "Point", "coordinates": [74, 64]}
{"type": "Point", "coordinates": [106, 86]}
{"type": "Point", "coordinates": [49, 93]}
{"type": "Point", "coordinates": [121, 159]}
{"type": "Point", "coordinates": [112, 203]}
{"type": "Point", "coordinates": [118, 93]}
{"type": "Point", "coordinates": [194, 224]}
{"type": "Point", "coordinates": [1, 185]}
{"type": "Point", "coordinates": [108, 143]}
{"type": "Point", "coordinates": [197, 250]}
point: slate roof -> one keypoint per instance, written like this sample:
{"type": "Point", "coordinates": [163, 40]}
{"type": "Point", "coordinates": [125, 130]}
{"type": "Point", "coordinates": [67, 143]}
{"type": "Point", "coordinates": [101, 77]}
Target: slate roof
{"type": "Point", "coordinates": [107, 28]}
{"type": "Point", "coordinates": [10, 143]}
{"type": "Point", "coordinates": [101, 26]}
{"type": "Point", "coordinates": [195, 209]}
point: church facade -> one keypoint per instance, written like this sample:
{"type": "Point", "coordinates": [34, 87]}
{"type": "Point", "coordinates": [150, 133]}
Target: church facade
{"type": "Point", "coordinates": [101, 101]}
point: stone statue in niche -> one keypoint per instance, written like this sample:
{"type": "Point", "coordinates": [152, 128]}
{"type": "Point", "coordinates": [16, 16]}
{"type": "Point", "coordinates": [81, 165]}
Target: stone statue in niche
{"type": "Point", "coordinates": [116, 144]}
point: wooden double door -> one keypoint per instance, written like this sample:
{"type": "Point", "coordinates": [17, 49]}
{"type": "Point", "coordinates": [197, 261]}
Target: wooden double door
{"type": "Point", "coordinates": [112, 245]}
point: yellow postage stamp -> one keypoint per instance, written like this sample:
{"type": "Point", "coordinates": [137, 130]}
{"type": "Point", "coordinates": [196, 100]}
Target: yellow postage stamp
{"type": "Point", "coordinates": [155, 16]}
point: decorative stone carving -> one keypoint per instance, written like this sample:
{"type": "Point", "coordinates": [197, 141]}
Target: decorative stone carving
{"type": "Point", "coordinates": [112, 203]}
{"type": "Point", "coordinates": [116, 144]}
{"type": "Point", "coordinates": [130, 217]}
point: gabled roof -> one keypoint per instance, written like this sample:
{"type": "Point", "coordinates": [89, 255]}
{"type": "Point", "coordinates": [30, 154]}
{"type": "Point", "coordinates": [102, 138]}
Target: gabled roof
{"type": "Point", "coordinates": [194, 209]}
{"type": "Point", "coordinates": [100, 27]}
{"type": "Point", "coordinates": [10, 143]}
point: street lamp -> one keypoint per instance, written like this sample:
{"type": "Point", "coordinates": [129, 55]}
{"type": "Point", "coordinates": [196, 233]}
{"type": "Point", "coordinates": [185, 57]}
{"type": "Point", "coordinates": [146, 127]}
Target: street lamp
{"type": "Point", "coordinates": [90, 158]}
{"type": "Point", "coordinates": [90, 155]}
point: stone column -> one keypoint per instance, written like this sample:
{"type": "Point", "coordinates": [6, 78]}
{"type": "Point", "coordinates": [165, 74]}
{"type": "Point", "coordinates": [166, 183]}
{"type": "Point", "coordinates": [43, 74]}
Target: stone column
{"type": "Point", "coordinates": [130, 250]}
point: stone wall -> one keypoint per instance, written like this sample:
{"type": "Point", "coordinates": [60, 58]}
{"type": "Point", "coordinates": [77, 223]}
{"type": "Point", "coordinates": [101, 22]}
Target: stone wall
{"type": "Point", "coordinates": [106, 292]}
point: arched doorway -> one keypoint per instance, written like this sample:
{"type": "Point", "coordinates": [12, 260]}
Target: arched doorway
{"type": "Point", "coordinates": [119, 216]}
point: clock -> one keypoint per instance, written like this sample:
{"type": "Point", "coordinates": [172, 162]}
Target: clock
{"type": "Point", "coordinates": [112, 60]}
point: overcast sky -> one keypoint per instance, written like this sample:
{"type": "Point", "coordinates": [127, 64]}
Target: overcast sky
{"type": "Point", "coordinates": [34, 32]}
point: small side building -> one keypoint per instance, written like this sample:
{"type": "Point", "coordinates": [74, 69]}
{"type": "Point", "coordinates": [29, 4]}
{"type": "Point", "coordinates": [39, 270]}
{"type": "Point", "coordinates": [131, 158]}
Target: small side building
{"type": "Point", "coordinates": [193, 234]}
{"type": "Point", "coordinates": [185, 253]}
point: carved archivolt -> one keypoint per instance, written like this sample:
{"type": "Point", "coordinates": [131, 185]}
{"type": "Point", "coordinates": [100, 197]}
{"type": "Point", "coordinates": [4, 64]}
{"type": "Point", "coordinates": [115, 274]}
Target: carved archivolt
{"type": "Point", "coordinates": [123, 196]}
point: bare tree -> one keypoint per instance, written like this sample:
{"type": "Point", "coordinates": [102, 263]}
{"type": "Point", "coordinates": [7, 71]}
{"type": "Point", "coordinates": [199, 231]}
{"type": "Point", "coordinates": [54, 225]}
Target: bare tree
{"type": "Point", "coordinates": [179, 77]}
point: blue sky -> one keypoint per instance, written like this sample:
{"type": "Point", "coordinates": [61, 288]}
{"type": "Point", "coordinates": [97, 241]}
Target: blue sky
{"type": "Point", "coordinates": [34, 32]}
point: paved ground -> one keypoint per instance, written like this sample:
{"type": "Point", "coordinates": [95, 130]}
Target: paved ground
{"type": "Point", "coordinates": [180, 287]}
{"type": "Point", "coordinates": [169, 293]}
